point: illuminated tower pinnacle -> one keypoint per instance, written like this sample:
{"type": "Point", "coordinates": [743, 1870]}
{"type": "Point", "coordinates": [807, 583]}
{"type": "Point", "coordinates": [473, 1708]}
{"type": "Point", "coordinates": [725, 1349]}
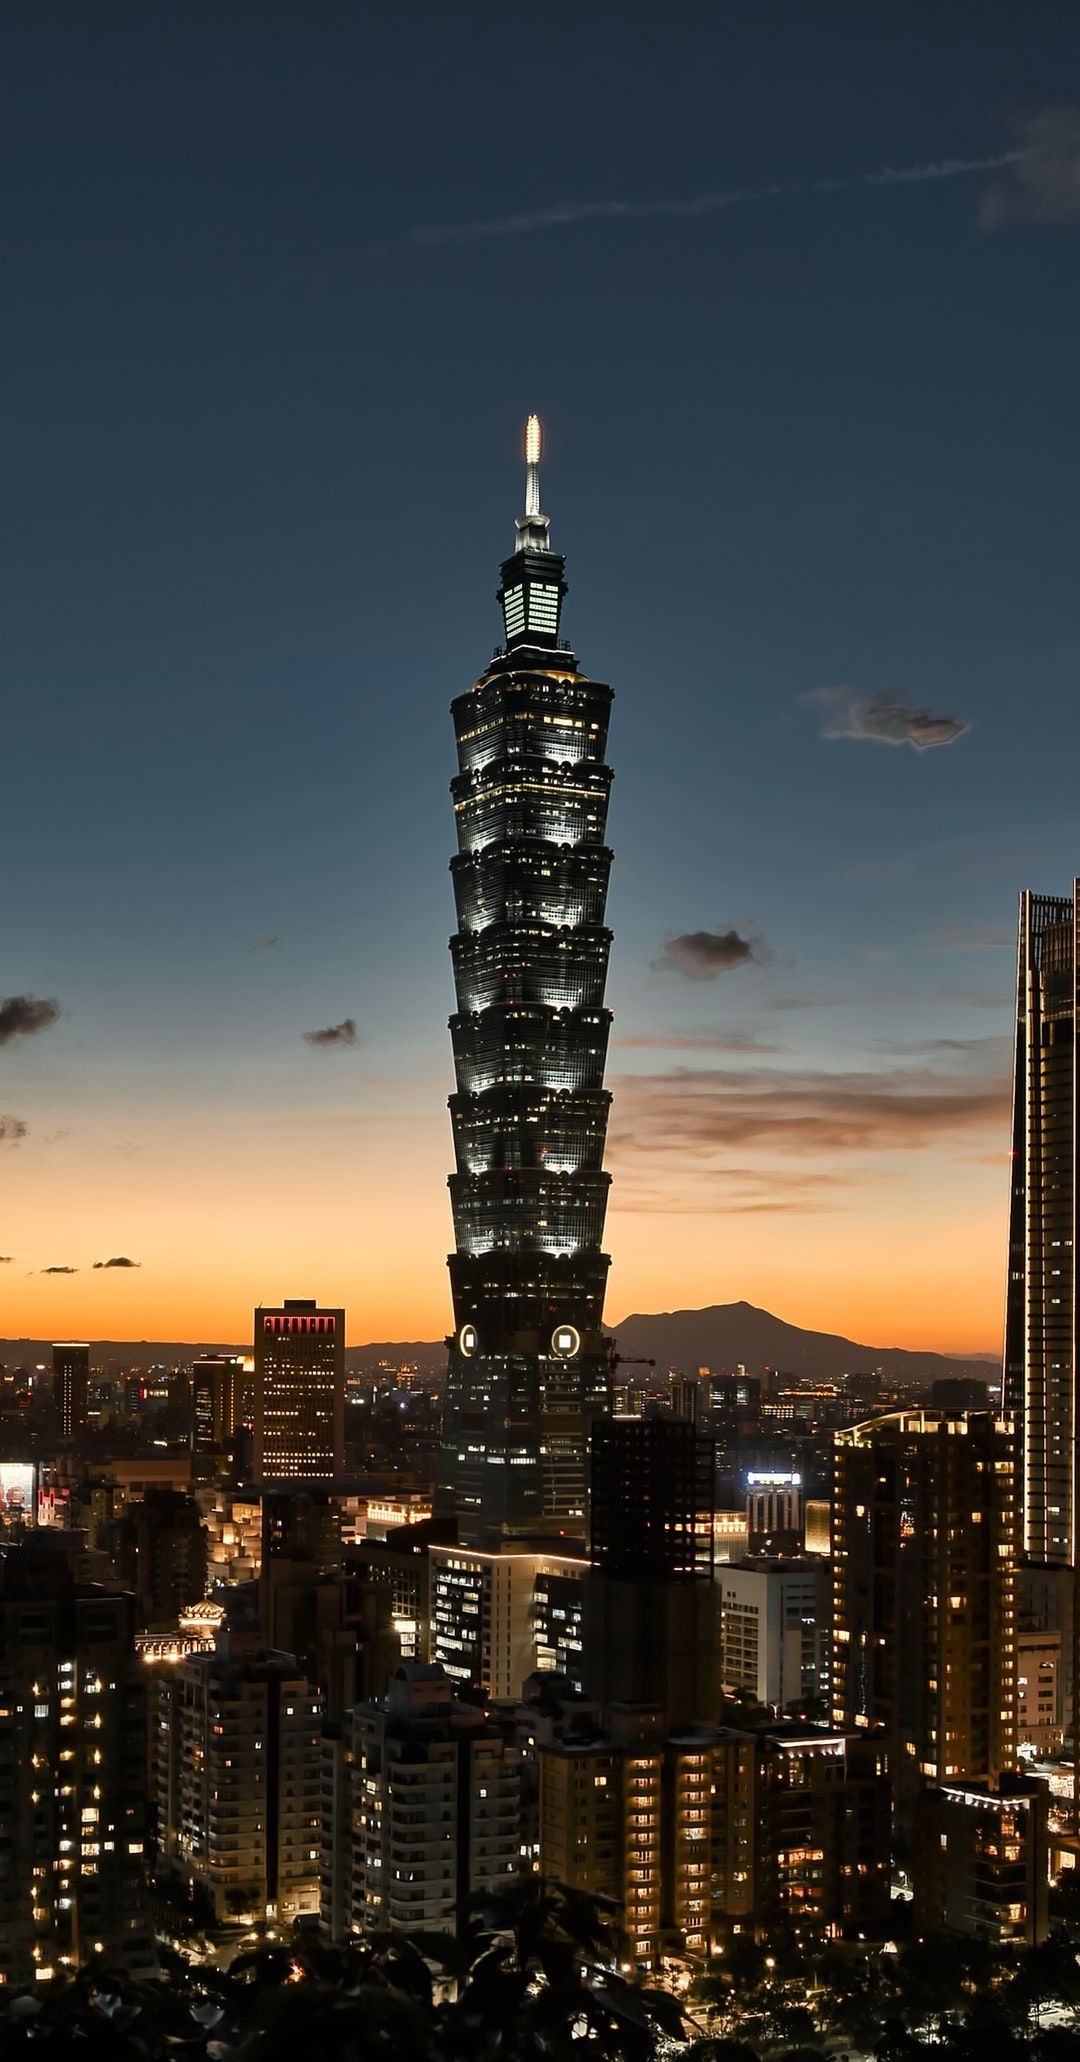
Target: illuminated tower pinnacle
{"type": "Point", "coordinates": [532, 527]}
{"type": "Point", "coordinates": [528, 1364]}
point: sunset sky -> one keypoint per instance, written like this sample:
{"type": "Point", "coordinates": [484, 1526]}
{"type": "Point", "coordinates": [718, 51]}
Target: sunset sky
{"type": "Point", "coordinates": [796, 292]}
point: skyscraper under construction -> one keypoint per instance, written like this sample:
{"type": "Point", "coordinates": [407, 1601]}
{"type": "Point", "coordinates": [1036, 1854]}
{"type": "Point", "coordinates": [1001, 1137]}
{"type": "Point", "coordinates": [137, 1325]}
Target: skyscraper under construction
{"type": "Point", "coordinates": [528, 1365]}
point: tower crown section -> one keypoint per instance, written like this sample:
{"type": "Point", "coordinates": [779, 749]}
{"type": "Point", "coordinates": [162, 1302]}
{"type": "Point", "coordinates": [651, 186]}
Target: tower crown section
{"type": "Point", "coordinates": [533, 586]}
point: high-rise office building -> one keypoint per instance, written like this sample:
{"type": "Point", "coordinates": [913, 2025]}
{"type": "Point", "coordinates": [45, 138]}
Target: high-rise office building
{"type": "Point", "coordinates": [774, 1630]}
{"type": "Point", "coordinates": [528, 1365]}
{"type": "Point", "coordinates": [71, 1376]}
{"type": "Point", "coordinates": [72, 1771]}
{"type": "Point", "coordinates": [218, 1381]}
{"type": "Point", "coordinates": [498, 1615]}
{"type": "Point", "coordinates": [924, 1629]}
{"type": "Point", "coordinates": [299, 1392]}
{"type": "Point", "coordinates": [1039, 1391]}
{"type": "Point", "coordinates": [159, 1549]}
{"type": "Point", "coordinates": [651, 1615]}
{"type": "Point", "coordinates": [774, 1519]}
{"type": "Point", "coordinates": [651, 1517]}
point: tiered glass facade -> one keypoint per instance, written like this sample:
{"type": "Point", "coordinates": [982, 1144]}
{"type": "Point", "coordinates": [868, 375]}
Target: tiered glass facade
{"type": "Point", "coordinates": [528, 1361]}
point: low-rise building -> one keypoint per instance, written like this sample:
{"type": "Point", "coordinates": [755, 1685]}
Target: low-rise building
{"type": "Point", "coordinates": [981, 1863]}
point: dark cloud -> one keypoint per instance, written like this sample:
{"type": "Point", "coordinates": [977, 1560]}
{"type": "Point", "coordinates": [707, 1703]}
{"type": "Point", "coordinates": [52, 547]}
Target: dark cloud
{"type": "Point", "coordinates": [120, 1261]}
{"type": "Point", "coordinates": [22, 1015]}
{"type": "Point", "coordinates": [701, 955]}
{"type": "Point", "coordinates": [1043, 182]}
{"type": "Point", "coordinates": [12, 1129]}
{"type": "Point", "coordinates": [692, 1114]}
{"type": "Point", "coordinates": [884, 719]}
{"type": "Point", "coordinates": [59, 1270]}
{"type": "Point", "coordinates": [6, 1258]}
{"type": "Point", "coordinates": [334, 1034]}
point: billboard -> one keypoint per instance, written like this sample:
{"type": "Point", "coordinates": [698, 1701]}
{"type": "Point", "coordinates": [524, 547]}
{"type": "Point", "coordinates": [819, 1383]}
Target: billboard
{"type": "Point", "coordinates": [17, 1492]}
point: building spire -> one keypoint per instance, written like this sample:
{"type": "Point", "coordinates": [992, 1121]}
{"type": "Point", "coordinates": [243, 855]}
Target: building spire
{"type": "Point", "coordinates": [532, 527]}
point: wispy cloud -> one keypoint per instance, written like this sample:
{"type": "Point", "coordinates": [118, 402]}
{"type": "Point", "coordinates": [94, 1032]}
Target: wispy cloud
{"type": "Point", "coordinates": [334, 1034]}
{"type": "Point", "coordinates": [829, 999]}
{"type": "Point", "coordinates": [6, 1259]}
{"type": "Point", "coordinates": [731, 1191]}
{"type": "Point", "coordinates": [696, 1113]}
{"type": "Point", "coordinates": [973, 938]}
{"type": "Point", "coordinates": [12, 1130]}
{"type": "Point", "coordinates": [267, 944]}
{"type": "Point", "coordinates": [968, 1048]}
{"type": "Point", "coordinates": [21, 1016]}
{"type": "Point", "coordinates": [883, 719]}
{"type": "Point", "coordinates": [701, 955]}
{"type": "Point", "coordinates": [705, 1041]}
{"type": "Point", "coordinates": [120, 1261]}
{"type": "Point", "coordinates": [574, 214]}
{"type": "Point", "coordinates": [1043, 176]}
{"type": "Point", "coordinates": [59, 1270]}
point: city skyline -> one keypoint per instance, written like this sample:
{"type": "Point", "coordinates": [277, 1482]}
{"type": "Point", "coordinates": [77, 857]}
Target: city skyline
{"type": "Point", "coordinates": [820, 532]}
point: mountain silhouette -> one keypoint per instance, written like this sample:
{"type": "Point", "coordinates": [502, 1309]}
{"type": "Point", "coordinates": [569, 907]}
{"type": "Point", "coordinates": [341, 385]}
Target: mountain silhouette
{"type": "Point", "coordinates": [725, 1335]}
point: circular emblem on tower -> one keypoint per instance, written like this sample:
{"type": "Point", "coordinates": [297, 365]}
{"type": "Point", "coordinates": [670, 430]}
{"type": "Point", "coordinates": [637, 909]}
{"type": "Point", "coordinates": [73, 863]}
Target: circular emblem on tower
{"type": "Point", "coordinates": [468, 1340]}
{"type": "Point", "coordinates": [565, 1342]}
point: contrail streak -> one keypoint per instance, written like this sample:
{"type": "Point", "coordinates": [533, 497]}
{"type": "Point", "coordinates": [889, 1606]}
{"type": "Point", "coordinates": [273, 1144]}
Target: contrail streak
{"type": "Point", "coordinates": [568, 214]}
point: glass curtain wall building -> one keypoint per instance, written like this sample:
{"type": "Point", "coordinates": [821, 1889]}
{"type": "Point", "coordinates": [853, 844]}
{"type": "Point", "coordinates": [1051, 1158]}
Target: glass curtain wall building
{"type": "Point", "coordinates": [1040, 1317]}
{"type": "Point", "coordinates": [528, 1365]}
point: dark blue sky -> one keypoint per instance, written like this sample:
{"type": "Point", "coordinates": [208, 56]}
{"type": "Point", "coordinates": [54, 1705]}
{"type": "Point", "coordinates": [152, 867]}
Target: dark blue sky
{"type": "Point", "coordinates": [260, 461]}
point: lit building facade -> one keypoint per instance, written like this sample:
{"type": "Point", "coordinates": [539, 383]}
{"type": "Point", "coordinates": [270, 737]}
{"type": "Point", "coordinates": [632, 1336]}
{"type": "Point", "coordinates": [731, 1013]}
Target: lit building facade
{"type": "Point", "coordinates": [1040, 1702]}
{"type": "Point", "coordinates": [218, 1384]}
{"type": "Point", "coordinates": [1039, 1390]}
{"type": "Point", "coordinates": [427, 1796]}
{"type": "Point", "coordinates": [497, 1616]}
{"type": "Point", "coordinates": [709, 1831]}
{"type": "Point", "coordinates": [238, 1769]}
{"type": "Point", "coordinates": [774, 1515]}
{"type": "Point", "coordinates": [774, 1631]}
{"type": "Point", "coordinates": [528, 1365]}
{"type": "Point", "coordinates": [299, 1393]}
{"type": "Point", "coordinates": [924, 1625]}
{"type": "Point", "coordinates": [601, 1824]}
{"type": "Point", "coordinates": [981, 1861]}
{"type": "Point", "coordinates": [71, 1378]}
{"type": "Point", "coordinates": [72, 1772]}
{"type": "Point", "coordinates": [233, 1522]}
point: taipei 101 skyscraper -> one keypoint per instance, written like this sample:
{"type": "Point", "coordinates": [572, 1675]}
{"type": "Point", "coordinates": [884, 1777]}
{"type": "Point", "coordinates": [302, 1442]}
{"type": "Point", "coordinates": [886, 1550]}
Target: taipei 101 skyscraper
{"type": "Point", "coordinates": [528, 1366]}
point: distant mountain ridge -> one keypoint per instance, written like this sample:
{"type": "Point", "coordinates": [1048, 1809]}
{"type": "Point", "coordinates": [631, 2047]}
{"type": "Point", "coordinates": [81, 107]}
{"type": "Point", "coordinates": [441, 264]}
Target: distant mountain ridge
{"type": "Point", "coordinates": [727, 1334]}
{"type": "Point", "coordinates": [720, 1337]}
